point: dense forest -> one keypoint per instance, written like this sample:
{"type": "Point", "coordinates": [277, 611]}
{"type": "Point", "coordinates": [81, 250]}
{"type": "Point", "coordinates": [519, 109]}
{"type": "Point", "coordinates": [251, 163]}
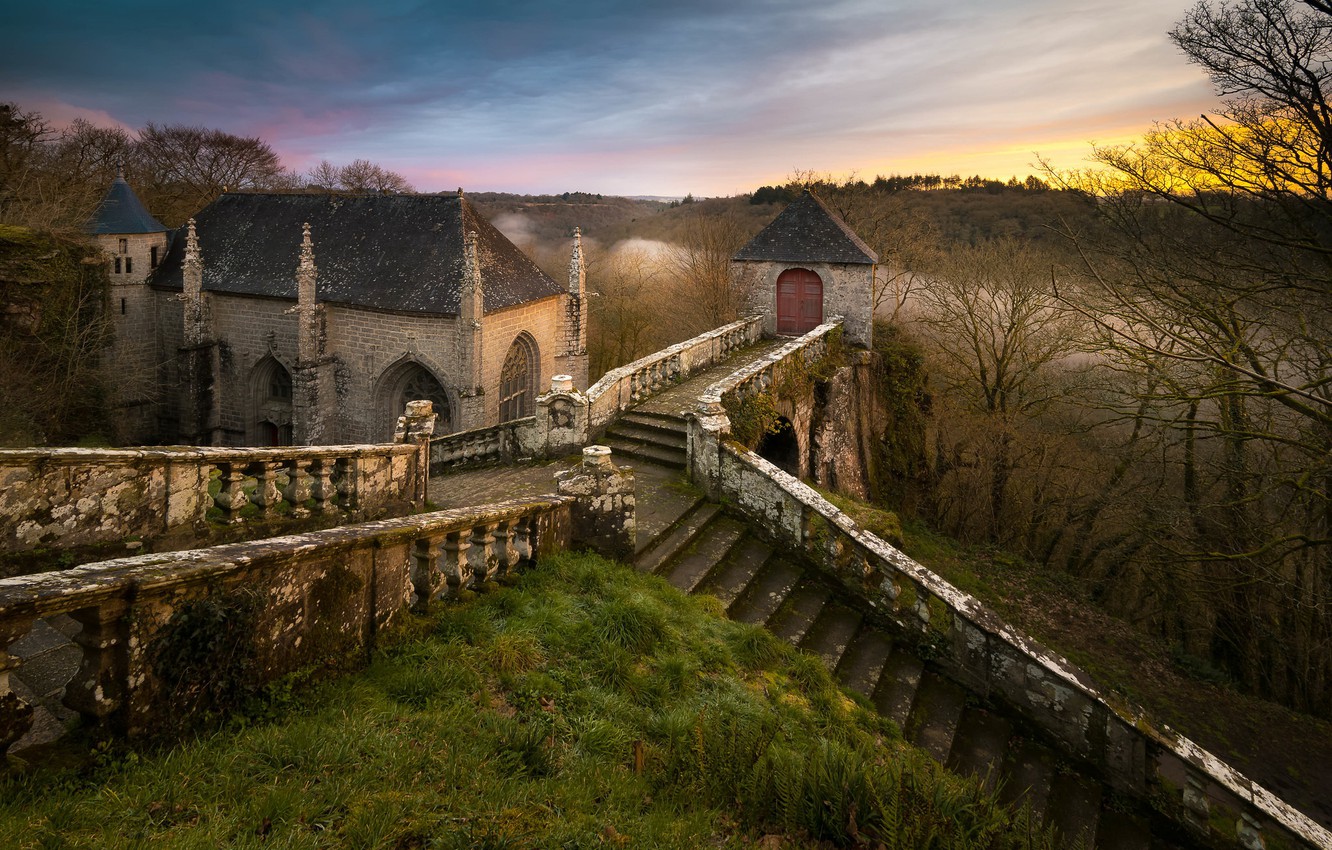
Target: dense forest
{"type": "Point", "coordinates": [1130, 367]}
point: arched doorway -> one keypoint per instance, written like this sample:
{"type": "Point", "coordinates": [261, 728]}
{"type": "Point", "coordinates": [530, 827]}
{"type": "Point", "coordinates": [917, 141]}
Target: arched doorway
{"type": "Point", "coordinates": [271, 394]}
{"type": "Point", "coordinates": [799, 301]}
{"type": "Point", "coordinates": [410, 381]}
{"type": "Point", "coordinates": [781, 446]}
{"type": "Point", "coordinates": [518, 380]}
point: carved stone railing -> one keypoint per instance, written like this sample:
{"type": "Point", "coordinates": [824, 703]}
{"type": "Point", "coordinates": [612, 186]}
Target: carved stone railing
{"type": "Point", "coordinates": [626, 386]}
{"type": "Point", "coordinates": [758, 376]}
{"type": "Point", "coordinates": [307, 598]}
{"type": "Point", "coordinates": [1138, 756]}
{"type": "Point", "coordinates": [59, 498]}
{"type": "Point", "coordinates": [509, 441]}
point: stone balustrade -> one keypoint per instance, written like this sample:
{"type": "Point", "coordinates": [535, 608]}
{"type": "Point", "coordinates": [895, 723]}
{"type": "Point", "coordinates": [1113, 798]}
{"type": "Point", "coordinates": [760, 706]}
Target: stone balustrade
{"type": "Point", "coordinates": [624, 387]}
{"type": "Point", "coordinates": [304, 598]}
{"type": "Point", "coordinates": [66, 497]}
{"type": "Point", "coordinates": [508, 441]}
{"type": "Point", "coordinates": [756, 377]}
{"type": "Point", "coordinates": [1138, 756]}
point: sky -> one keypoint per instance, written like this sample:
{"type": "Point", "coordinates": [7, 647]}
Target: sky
{"type": "Point", "coordinates": [710, 97]}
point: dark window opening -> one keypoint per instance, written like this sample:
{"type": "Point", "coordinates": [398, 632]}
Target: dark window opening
{"type": "Point", "coordinates": [279, 383]}
{"type": "Point", "coordinates": [129, 265]}
{"type": "Point", "coordinates": [117, 265]}
{"type": "Point", "coordinates": [152, 257]}
{"type": "Point", "coordinates": [122, 306]}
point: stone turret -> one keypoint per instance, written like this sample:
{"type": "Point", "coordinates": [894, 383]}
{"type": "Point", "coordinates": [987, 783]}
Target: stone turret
{"type": "Point", "coordinates": [573, 361]}
{"type": "Point", "coordinates": [132, 242]}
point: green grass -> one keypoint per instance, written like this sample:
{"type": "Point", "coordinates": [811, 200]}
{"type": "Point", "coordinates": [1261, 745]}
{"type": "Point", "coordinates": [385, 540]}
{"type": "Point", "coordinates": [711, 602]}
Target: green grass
{"type": "Point", "coordinates": [587, 706]}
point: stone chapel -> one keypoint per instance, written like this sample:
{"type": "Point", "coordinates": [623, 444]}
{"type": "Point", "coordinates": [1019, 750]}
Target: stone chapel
{"type": "Point", "coordinates": [279, 318]}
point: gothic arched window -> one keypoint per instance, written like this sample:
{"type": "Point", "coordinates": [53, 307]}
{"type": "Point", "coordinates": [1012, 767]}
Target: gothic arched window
{"type": "Point", "coordinates": [516, 381]}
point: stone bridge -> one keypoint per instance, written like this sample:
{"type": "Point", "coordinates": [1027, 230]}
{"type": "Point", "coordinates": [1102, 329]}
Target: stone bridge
{"type": "Point", "coordinates": [976, 694]}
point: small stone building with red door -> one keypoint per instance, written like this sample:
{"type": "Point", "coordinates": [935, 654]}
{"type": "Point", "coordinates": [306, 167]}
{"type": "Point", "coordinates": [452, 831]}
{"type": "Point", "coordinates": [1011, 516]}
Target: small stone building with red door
{"type": "Point", "coordinates": [807, 266]}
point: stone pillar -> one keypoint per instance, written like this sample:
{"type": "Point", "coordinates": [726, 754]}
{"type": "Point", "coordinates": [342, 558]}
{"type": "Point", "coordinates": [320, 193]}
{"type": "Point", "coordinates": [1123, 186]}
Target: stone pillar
{"type": "Point", "coordinates": [562, 417]}
{"type": "Point", "coordinates": [708, 425]}
{"type": "Point", "coordinates": [573, 361]}
{"type": "Point", "coordinates": [196, 309]}
{"type": "Point", "coordinates": [471, 310]}
{"type": "Point", "coordinates": [603, 515]}
{"type": "Point", "coordinates": [417, 425]}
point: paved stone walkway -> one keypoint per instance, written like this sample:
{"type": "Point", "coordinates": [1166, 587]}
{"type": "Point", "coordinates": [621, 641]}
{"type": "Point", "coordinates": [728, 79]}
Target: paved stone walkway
{"type": "Point", "coordinates": [684, 395]}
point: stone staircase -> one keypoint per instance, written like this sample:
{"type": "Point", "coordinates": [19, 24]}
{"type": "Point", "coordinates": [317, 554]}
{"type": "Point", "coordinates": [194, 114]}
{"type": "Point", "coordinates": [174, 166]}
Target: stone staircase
{"type": "Point", "coordinates": [654, 437]}
{"type": "Point", "coordinates": [708, 550]}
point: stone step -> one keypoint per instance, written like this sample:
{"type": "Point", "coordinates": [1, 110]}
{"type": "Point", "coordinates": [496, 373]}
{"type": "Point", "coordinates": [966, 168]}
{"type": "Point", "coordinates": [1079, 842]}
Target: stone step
{"type": "Point", "coordinates": [654, 421]}
{"type": "Point", "coordinates": [897, 686]}
{"type": "Point", "coordinates": [1074, 810]}
{"type": "Point", "coordinates": [832, 633]}
{"type": "Point", "coordinates": [673, 458]}
{"type": "Point", "coordinates": [934, 715]}
{"type": "Point", "coordinates": [766, 592]}
{"type": "Point", "coordinates": [676, 537]}
{"type": "Point", "coordinates": [863, 662]}
{"type": "Point", "coordinates": [664, 431]}
{"type": "Point", "coordinates": [979, 746]}
{"type": "Point", "coordinates": [1028, 773]}
{"type": "Point", "coordinates": [797, 614]}
{"type": "Point", "coordinates": [1118, 830]}
{"type": "Point", "coordinates": [692, 564]}
{"type": "Point", "coordinates": [737, 570]}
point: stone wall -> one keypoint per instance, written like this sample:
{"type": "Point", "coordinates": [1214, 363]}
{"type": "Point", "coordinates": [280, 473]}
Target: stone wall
{"type": "Point", "coordinates": [848, 292]}
{"type": "Point", "coordinates": [59, 498]}
{"type": "Point", "coordinates": [283, 604]}
{"type": "Point", "coordinates": [542, 321]}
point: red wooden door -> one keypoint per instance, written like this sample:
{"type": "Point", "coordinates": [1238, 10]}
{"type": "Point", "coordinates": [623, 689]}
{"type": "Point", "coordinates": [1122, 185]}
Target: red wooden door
{"type": "Point", "coordinates": [799, 301]}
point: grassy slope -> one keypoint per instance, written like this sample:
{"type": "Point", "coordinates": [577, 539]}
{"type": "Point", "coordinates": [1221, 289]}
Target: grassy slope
{"type": "Point", "coordinates": [522, 719]}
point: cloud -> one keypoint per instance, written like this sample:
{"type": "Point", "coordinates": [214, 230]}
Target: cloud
{"type": "Point", "coordinates": [664, 97]}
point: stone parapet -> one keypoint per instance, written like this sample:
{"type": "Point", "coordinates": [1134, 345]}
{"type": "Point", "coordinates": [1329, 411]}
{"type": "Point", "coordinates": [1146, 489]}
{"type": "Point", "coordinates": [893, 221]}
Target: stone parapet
{"type": "Point", "coordinates": [305, 600]}
{"type": "Point", "coordinates": [67, 497]}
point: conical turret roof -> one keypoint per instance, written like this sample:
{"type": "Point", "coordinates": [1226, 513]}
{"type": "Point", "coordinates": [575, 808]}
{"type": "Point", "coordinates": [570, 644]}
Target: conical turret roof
{"type": "Point", "coordinates": [121, 211]}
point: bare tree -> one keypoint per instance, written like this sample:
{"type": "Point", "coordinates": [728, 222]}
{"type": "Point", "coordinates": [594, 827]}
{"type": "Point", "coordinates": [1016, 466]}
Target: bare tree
{"type": "Point", "coordinates": [708, 296]}
{"type": "Point", "coordinates": [187, 167]}
{"type": "Point", "coordinates": [360, 175]}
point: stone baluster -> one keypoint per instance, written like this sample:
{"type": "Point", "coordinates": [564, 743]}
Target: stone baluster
{"type": "Point", "coordinates": [265, 494]}
{"type": "Point", "coordinates": [524, 532]}
{"type": "Point", "coordinates": [299, 486]}
{"type": "Point", "coordinates": [484, 562]}
{"type": "Point", "coordinates": [231, 498]}
{"type": "Point", "coordinates": [15, 713]}
{"type": "Point", "coordinates": [427, 577]}
{"type": "Point", "coordinates": [456, 565]}
{"type": "Point", "coordinates": [506, 555]}
{"type": "Point", "coordinates": [1249, 833]}
{"type": "Point", "coordinates": [322, 489]}
{"type": "Point", "coordinates": [348, 482]}
{"type": "Point", "coordinates": [922, 607]}
{"type": "Point", "coordinates": [98, 689]}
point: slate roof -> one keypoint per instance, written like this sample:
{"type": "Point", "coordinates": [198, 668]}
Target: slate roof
{"type": "Point", "coordinates": [807, 232]}
{"type": "Point", "coordinates": [390, 252]}
{"type": "Point", "coordinates": [121, 211]}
